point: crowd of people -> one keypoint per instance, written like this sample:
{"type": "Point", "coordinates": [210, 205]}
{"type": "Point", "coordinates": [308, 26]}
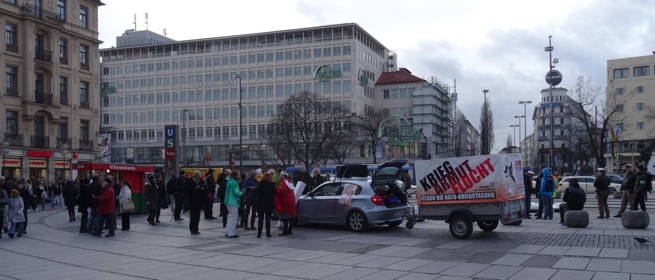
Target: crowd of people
{"type": "Point", "coordinates": [243, 200]}
{"type": "Point", "coordinates": [634, 189]}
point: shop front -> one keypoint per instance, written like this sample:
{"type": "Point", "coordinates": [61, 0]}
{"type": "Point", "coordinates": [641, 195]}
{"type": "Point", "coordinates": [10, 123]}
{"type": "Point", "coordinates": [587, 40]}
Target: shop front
{"type": "Point", "coordinates": [11, 168]}
{"type": "Point", "coordinates": [62, 170]}
{"type": "Point", "coordinates": [38, 167]}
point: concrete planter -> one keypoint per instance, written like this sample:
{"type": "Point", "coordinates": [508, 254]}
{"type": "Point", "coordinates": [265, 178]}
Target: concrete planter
{"type": "Point", "coordinates": [635, 219]}
{"type": "Point", "coordinates": [576, 218]}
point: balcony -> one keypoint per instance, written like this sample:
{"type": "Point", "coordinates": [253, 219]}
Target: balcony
{"type": "Point", "coordinates": [11, 92]}
{"type": "Point", "coordinates": [38, 13]}
{"type": "Point", "coordinates": [40, 141]}
{"type": "Point", "coordinates": [11, 48]}
{"type": "Point", "coordinates": [14, 139]}
{"type": "Point", "coordinates": [43, 97]}
{"type": "Point", "coordinates": [84, 105]}
{"type": "Point", "coordinates": [86, 145]}
{"type": "Point", "coordinates": [84, 66]}
{"type": "Point", "coordinates": [63, 141]}
{"type": "Point", "coordinates": [43, 55]}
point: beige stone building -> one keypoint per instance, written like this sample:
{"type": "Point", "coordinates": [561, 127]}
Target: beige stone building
{"type": "Point", "coordinates": [631, 91]}
{"type": "Point", "coordinates": [49, 53]}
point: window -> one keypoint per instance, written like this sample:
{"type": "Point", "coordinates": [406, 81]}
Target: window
{"type": "Point", "coordinates": [640, 125]}
{"type": "Point", "coordinates": [84, 17]}
{"type": "Point", "coordinates": [639, 89]}
{"type": "Point", "coordinates": [63, 90]}
{"type": "Point", "coordinates": [346, 50]}
{"type": "Point", "coordinates": [84, 130]}
{"type": "Point", "coordinates": [61, 9]}
{"type": "Point", "coordinates": [640, 106]}
{"type": "Point", "coordinates": [620, 73]}
{"type": "Point", "coordinates": [11, 79]}
{"type": "Point", "coordinates": [63, 51]}
{"type": "Point", "coordinates": [619, 91]}
{"type": "Point", "coordinates": [386, 94]}
{"type": "Point", "coordinates": [619, 108]}
{"type": "Point", "coordinates": [84, 93]}
{"type": "Point", "coordinates": [11, 37]}
{"type": "Point", "coordinates": [329, 190]}
{"type": "Point", "coordinates": [641, 71]}
{"type": "Point", "coordinates": [12, 123]}
{"type": "Point", "coordinates": [84, 57]}
{"type": "Point", "coordinates": [317, 52]}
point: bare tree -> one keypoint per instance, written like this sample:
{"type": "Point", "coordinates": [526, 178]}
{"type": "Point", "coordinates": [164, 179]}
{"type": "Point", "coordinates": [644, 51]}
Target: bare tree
{"type": "Point", "coordinates": [596, 124]}
{"type": "Point", "coordinates": [486, 128]}
{"type": "Point", "coordinates": [370, 126]}
{"type": "Point", "coordinates": [306, 128]}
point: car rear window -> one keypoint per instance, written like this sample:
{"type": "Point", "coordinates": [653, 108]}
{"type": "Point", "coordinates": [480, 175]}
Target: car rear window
{"type": "Point", "coordinates": [387, 171]}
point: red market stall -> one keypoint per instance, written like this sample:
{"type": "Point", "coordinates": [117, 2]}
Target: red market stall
{"type": "Point", "coordinates": [135, 175]}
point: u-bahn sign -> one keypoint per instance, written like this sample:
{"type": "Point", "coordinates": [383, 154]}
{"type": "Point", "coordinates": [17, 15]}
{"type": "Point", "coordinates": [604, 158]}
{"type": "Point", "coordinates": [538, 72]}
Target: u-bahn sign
{"type": "Point", "coordinates": [553, 77]}
{"type": "Point", "coordinates": [171, 161]}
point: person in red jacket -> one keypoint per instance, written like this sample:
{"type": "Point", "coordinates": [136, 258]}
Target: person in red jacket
{"type": "Point", "coordinates": [106, 203]}
{"type": "Point", "coordinates": [285, 203]}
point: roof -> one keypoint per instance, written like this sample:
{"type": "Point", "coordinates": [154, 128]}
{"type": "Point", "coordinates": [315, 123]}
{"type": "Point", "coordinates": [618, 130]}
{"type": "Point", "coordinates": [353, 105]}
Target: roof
{"type": "Point", "coordinates": [398, 77]}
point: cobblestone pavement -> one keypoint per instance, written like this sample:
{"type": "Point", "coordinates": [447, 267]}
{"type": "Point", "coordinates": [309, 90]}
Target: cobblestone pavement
{"type": "Point", "coordinates": [535, 250]}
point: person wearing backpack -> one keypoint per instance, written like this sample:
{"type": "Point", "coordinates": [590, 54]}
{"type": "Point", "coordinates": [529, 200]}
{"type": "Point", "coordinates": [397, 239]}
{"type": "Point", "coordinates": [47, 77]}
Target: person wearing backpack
{"type": "Point", "coordinates": [546, 189]}
{"type": "Point", "coordinates": [642, 185]}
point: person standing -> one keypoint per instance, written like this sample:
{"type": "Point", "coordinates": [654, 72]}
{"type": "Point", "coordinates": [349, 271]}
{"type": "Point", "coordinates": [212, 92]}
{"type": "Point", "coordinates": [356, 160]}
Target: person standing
{"type": "Point", "coordinates": [626, 190]}
{"type": "Point", "coordinates": [302, 176]}
{"type": "Point", "coordinates": [164, 202]}
{"type": "Point", "coordinates": [537, 187]}
{"type": "Point", "coordinates": [211, 193]}
{"type": "Point", "coordinates": [4, 200]}
{"type": "Point", "coordinates": [222, 185]}
{"type": "Point", "coordinates": [546, 188]}
{"type": "Point", "coordinates": [152, 199]}
{"type": "Point", "coordinates": [197, 201]}
{"type": "Point", "coordinates": [57, 193]}
{"type": "Point", "coordinates": [285, 203]}
{"type": "Point", "coordinates": [527, 186]}
{"type": "Point", "coordinates": [574, 198]}
{"type": "Point", "coordinates": [70, 196]}
{"type": "Point", "coordinates": [265, 203]}
{"type": "Point", "coordinates": [643, 184]}
{"type": "Point", "coordinates": [125, 196]}
{"type": "Point", "coordinates": [40, 194]}
{"type": "Point", "coordinates": [232, 202]}
{"type": "Point", "coordinates": [249, 186]}
{"type": "Point", "coordinates": [602, 186]}
{"type": "Point", "coordinates": [16, 214]}
{"type": "Point", "coordinates": [317, 180]}
{"type": "Point", "coordinates": [106, 207]}
{"type": "Point", "coordinates": [84, 201]}
{"type": "Point", "coordinates": [26, 191]}
{"type": "Point", "coordinates": [179, 186]}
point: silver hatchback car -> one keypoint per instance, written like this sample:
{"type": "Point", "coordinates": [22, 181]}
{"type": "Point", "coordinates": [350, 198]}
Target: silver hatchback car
{"type": "Point", "coordinates": [358, 202]}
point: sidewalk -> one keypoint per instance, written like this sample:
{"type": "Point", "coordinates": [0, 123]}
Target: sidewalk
{"type": "Point", "coordinates": [535, 250]}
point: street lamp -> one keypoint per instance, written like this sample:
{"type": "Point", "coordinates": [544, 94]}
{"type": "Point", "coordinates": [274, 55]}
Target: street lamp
{"type": "Point", "coordinates": [551, 66]}
{"type": "Point", "coordinates": [525, 124]}
{"type": "Point", "coordinates": [484, 132]}
{"type": "Point", "coordinates": [238, 77]}
{"type": "Point", "coordinates": [519, 117]}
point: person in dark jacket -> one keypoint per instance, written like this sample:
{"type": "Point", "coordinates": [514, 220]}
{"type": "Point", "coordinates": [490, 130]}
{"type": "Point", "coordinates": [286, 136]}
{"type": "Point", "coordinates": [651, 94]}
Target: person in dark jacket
{"type": "Point", "coordinates": [96, 189]}
{"type": "Point", "coordinates": [575, 198]}
{"type": "Point", "coordinates": [197, 201]}
{"type": "Point", "coordinates": [302, 176]}
{"type": "Point", "coordinates": [4, 200]}
{"type": "Point", "coordinates": [317, 180]}
{"type": "Point", "coordinates": [627, 187]}
{"type": "Point", "coordinates": [265, 193]}
{"type": "Point", "coordinates": [106, 208]}
{"type": "Point", "coordinates": [176, 186]}
{"type": "Point", "coordinates": [222, 185]}
{"type": "Point", "coordinates": [152, 200]}
{"type": "Point", "coordinates": [164, 201]}
{"type": "Point", "coordinates": [83, 203]}
{"type": "Point", "coordinates": [211, 192]}
{"type": "Point", "coordinates": [249, 200]}
{"type": "Point", "coordinates": [70, 196]}
{"type": "Point", "coordinates": [643, 184]}
{"type": "Point", "coordinates": [602, 186]}
{"type": "Point", "coordinates": [527, 185]}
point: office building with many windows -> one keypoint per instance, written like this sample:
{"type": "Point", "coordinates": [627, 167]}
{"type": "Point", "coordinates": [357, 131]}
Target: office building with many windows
{"type": "Point", "coordinates": [148, 85]}
{"type": "Point", "coordinates": [51, 97]}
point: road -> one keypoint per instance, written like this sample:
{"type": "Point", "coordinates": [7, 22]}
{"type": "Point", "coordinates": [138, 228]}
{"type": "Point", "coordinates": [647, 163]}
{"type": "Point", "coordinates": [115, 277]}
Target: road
{"type": "Point", "coordinates": [535, 250]}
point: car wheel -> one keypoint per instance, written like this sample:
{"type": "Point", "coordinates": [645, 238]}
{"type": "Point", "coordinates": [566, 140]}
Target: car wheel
{"type": "Point", "coordinates": [488, 225]}
{"type": "Point", "coordinates": [394, 224]}
{"type": "Point", "coordinates": [461, 226]}
{"type": "Point", "coordinates": [357, 221]}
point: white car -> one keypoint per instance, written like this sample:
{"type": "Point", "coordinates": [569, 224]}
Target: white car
{"type": "Point", "coordinates": [585, 182]}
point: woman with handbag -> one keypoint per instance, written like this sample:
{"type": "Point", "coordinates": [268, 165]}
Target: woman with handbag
{"type": "Point", "coordinates": [127, 206]}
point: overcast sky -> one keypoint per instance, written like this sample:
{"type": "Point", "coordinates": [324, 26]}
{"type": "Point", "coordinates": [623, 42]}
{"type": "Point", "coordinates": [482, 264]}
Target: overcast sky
{"type": "Point", "coordinates": [496, 45]}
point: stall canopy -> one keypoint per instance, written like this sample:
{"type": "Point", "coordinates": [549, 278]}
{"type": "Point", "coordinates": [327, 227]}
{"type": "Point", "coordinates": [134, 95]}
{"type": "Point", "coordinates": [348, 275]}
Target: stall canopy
{"type": "Point", "coordinates": [133, 174]}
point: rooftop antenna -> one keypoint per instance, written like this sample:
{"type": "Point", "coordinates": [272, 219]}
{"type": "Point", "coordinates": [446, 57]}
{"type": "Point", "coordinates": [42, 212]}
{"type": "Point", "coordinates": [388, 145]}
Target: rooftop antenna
{"type": "Point", "coordinates": [146, 21]}
{"type": "Point", "coordinates": [134, 22]}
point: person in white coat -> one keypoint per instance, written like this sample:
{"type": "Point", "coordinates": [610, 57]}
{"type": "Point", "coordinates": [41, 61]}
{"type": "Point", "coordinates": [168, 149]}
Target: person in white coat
{"type": "Point", "coordinates": [125, 196]}
{"type": "Point", "coordinates": [16, 216]}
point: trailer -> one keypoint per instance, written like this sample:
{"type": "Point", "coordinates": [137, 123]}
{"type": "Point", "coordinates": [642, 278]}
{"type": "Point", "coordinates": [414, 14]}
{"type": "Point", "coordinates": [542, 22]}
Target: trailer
{"type": "Point", "coordinates": [486, 189]}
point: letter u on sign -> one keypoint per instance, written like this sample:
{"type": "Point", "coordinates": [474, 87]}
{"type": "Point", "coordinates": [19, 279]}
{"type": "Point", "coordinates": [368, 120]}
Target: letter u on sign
{"type": "Point", "coordinates": [170, 132]}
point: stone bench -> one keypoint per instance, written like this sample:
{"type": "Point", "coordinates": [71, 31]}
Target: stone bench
{"type": "Point", "coordinates": [635, 219]}
{"type": "Point", "coordinates": [576, 218]}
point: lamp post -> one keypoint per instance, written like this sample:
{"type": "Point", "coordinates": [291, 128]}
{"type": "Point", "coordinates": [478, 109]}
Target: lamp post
{"type": "Point", "coordinates": [514, 126]}
{"type": "Point", "coordinates": [483, 132]}
{"type": "Point", "coordinates": [519, 117]}
{"type": "Point", "coordinates": [525, 124]}
{"type": "Point", "coordinates": [553, 78]}
{"type": "Point", "coordinates": [238, 77]}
